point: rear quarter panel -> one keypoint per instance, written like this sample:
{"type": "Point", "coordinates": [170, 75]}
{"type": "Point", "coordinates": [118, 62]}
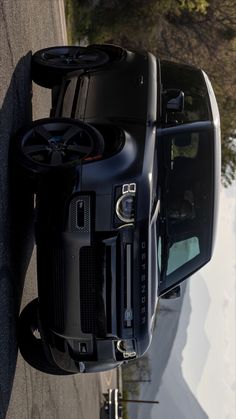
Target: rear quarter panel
{"type": "Point", "coordinates": [119, 91]}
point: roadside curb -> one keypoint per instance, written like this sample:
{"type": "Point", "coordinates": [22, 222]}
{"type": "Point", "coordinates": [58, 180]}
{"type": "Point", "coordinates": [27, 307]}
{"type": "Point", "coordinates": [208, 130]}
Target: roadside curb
{"type": "Point", "coordinates": [63, 21]}
{"type": "Point", "coordinates": [119, 380]}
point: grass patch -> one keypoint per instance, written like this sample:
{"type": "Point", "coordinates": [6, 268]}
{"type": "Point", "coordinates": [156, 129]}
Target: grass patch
{"type": "Point", "coordinates": [78, 20]}
{"type": "Point", "coordinates": [124, 405]}
{"type": "Point", "coordinates": [103, 21]}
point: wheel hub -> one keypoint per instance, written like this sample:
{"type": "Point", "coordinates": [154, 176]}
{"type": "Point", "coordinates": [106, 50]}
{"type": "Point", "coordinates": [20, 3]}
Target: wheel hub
{"type": "Point", "coordinates": [56, 145]}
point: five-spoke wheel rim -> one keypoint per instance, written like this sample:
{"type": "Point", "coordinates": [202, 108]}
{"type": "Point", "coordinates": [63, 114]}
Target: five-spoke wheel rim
{"type": "Point", "coordinates": [77, 57]}
{"type": "Point", "coordinates": [58, 144]}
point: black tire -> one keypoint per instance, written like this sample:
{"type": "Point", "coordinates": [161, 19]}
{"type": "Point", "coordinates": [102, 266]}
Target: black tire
{"type": "Point", "coordinates": [52, 143]}
{"type": "Point", "coordinates": [49, 65]}
{"type": "Point", "coordinates": [32, 348]}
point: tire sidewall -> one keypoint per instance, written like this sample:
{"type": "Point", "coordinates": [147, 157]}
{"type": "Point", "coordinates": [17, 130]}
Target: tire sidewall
{"type": "Point", "coordinates": [47, 75]}
{"type": "Point", "coordinates": [34, 169]}
{"type": "Point", "coordinates": [31, 348]}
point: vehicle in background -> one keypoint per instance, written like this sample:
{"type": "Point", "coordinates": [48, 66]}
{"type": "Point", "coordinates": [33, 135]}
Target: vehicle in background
{"type": "Point", "coordinates": [113, 406]}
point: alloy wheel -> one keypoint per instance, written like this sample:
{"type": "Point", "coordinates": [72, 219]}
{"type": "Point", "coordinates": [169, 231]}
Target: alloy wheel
{"type": "Point", "coordinates": [72, 57]}
{"type": "Point", "coordinates": [56, 144]}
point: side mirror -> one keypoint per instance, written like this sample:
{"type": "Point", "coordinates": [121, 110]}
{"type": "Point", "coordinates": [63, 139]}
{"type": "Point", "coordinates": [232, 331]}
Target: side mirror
{"type": "Point", "coordinates": [173, 100]}
{"type": "Point", "coordinates": [174, 293]}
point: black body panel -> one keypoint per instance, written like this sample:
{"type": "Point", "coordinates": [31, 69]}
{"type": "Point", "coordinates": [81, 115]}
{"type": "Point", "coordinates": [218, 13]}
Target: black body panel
{"type": "Point", "coordinates": [83, 277]}
{"type": "Point", "coordinates": [104, 220]}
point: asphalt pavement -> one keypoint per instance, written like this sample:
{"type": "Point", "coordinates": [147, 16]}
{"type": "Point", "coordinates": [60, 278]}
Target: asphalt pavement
{"type": "Point", "coordinates": [26, 26]}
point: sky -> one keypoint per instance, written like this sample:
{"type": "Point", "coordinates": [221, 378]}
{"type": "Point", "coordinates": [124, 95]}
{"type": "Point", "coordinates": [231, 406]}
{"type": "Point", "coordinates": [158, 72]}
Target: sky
{"type": "Point", "coordinates": [209, 357]}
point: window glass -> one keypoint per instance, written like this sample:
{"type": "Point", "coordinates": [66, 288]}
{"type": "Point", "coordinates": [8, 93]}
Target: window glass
{"type": "Point", "coordinates": [184, 236]}
{"type": "Point", "coordinates": [191, 81]}
{"type": "Point", "coordinates": [186, 146]}
{"type": "Point", "coordinates": [182, 252]}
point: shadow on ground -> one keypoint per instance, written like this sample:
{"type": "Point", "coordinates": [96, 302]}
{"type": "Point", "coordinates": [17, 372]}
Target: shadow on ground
{"type": "Point", "coordinates": [103, 413]}
{"type": "Point", "coordinates": [16, 223]}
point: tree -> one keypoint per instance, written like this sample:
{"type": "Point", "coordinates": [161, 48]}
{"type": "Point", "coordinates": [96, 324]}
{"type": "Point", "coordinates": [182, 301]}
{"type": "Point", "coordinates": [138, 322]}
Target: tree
{"type": "Point", "coordinates": [134, 373]}
{"type": "Point", "coordinates": [198, 32]}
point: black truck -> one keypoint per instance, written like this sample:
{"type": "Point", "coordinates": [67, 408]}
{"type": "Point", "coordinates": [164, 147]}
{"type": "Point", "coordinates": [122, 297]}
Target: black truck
{"type": "Point", "coordinates": [126, 174]}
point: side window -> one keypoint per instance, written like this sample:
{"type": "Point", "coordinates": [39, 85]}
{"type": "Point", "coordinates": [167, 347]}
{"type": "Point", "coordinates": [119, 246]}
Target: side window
{"type": "Point", "coordinates": [184, 151]}
{"type": "Point", "coordinates": [185, 234]}
{"type": "Point", "coordinates": [195, 107]}
{"type": "Point", "coordinates": [191, 81]}
{"type": "Point", "coordinates": [185, 146]}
